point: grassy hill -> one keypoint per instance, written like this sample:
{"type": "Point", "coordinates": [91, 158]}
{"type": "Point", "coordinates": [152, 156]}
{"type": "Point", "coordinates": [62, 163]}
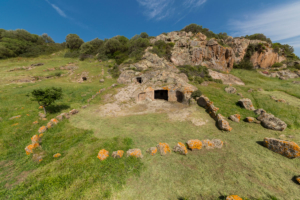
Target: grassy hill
{"type": "Point", "coordinates": [241, 167]}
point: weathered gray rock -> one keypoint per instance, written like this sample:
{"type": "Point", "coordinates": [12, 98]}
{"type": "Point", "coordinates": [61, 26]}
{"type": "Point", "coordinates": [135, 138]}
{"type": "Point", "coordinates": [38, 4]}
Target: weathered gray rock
{"type": "Point", "coordinates": [235, 118]}
{"type": "Point", "coordinates": [224, 125]}
{"type": "Point", "coordinates": [15, 117]}
{"type": "Point", "coordinates": [252, 120]}
{"type": "Point", "coordinates": [246, 103]}
{"type": "Point", "coordinates": [137, 153]}
{"type": "Point", "coordinates": [271, 122]}
{"type": "Point", "coordinates": [285, 148]}
{"type": "Point", "coordinates": [259, 111]}
{"type": "Point", "coordinates": [227, 79]}
{"type": "Point", "coordinates": [74, 111]}
{"type": "Point", "coordinates": [203, 101]}
{"type": "Point", "coordinates": [230, 90]}
{"type": "Point", "coordinates": [152, 150]}
{"type": "Point", "coordinates": [217, 143]}
{"type": "Point", "coordinates": [101, 80]}
{"type": "Point", "coordinates": [180, 148]}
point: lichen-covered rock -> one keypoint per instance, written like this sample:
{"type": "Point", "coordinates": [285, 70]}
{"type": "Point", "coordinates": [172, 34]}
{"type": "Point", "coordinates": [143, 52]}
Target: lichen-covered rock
{"type": "Point", "coordinates": [163, 148]}
{"type": "Point", "coordinates": [35, 139]}
{"type": "Point", "coordinates": [60, 117]}
{"type": "Point", "coordinates": [137, 153]}
{"type": "Point", "coordinates": [271, 122]}
{"type": "Point", "coordinates": [208, 144]}
{"type": "Point", "coordinates": [35, 122]}
{"type": "Point", "coordinates": [203, 101]}
{"type": "Point", "coordinates": [29, 148]}
{"type": "Point", "coordinates": [42, 115]}
{"type": "Point", "coordinates": [152, 151]}
{"type": "Point", "coordinates": [235, 118]}
{"type": "Point", "coordinates": [49, 125]}
{"type": "Point", "coordinates": [180, 148]}
{"type": "Point", "coordinates": [56, 155]}
{"type": "Point", "coordinates": [42, 129]}
{"type": "Point", "coordinates": [194, 144]}
{"type": "Point", "coordinates": [103, 154]}
{"type": "Point", "coordinates": [54, 121]}
{"type": "Point", "coordinates": [219, 117]}
{"type": "Point", "coordinates": [285, 148]}
{"type": "Point", "coordinates": [224, 125]}
{"type": "Point", "coordinates": [281, 100]}
{"type": "Point", "coordinates": [217, 143]}
{"type": "Point", "coordinates": [230, 90]}
{"type": "Point", "coordinates": [74, 111]}
{"type": "Point", "coordinates": [298, 179]}
{"type": "Point", "coordinates": [259, 111]}
{"type": "Point", "coordinates": [246, 103]}
{"type": "Point", "coordinates": [251, 120]}
{"type": "Point", "coordinates": [117, 154]}
{"type": "Point", "coordinates": [233, 197]}
{"type": "Point", "coordinates": [41, 107]}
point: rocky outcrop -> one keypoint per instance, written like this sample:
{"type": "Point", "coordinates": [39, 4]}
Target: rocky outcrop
{"type": "Point", "coordinates": [285, 148]}
{"type": "Point", "coordinates": [193, 49]}
{"type": "Point", "coordinates": [264, 59]}
{"type": "Point", "coordinates": [227, 79]}
{"type": "Point", "coordinates": [282, 74]}
{"type": "Point", "coordinates": [269, 121]}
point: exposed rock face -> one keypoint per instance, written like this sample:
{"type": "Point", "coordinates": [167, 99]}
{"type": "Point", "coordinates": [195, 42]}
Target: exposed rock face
{"type": "Point", "coordinates": [246, 103]}
{"type": "Point", "coordinates": [230, 90]}
{"type": "Point", "coordinates": [269, 121]}
{"type": "Point", "coordinates": [260, 60]}
{"type": "Point", "coordinates": [227, 79]}
{"type": "Point", "coordinates": [193, 49]}
{"type": "Point", "coordinates": [159, 75]}
{"type": "Point", "coordinates": [285, 148]}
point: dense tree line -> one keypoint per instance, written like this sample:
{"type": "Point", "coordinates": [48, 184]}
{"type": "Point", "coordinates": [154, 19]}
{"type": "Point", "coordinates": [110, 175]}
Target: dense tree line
{"type": "Point", "coordinates": [24, 44]}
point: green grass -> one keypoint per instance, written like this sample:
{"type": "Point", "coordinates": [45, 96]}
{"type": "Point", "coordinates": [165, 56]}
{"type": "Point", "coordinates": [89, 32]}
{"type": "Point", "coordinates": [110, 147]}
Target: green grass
{"type": "Point", "coordinates": [241, 167]}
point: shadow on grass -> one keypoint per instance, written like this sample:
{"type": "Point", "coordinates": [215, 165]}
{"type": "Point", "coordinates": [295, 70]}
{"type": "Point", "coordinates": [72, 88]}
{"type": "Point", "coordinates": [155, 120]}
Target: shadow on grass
{"type": "Point", "coordinates": [294, 179]}
{"type": "Point", "coordinates": [57, 108]}
{"type": "Point", "coordinates": [261, 143]}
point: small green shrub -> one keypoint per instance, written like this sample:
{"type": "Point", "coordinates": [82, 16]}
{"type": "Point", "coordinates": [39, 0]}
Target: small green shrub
{"type": "Point", "coordinates": [58, 74]}
{"type": "Point", "coordinates": [72, 54]}
{"type": "Point", "coordinates": [196, 94]}
{"type": "Point", "coordinates": [163, 49]}
{"type": "Point", "coordinates": [276, 65]}
{"type": "Point", "coordinates": [114, 71]}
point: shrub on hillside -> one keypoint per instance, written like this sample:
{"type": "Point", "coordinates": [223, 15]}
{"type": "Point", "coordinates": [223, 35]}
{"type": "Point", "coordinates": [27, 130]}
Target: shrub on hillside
{"type": "Point", "coordinates": [163, 49]}
{"type": "Point", "coordinates": [195, 28]}
{"type": "Point", "coordinates": [72, 54]}
{"type": "Point", "coordinates": [244, 64]}
{"type": "Point", "coordinates": [285, 50]}
{"type": "Point", "coordinates": [144, 35]}
{"type": "Point", "coordinates": [276, 65]}
{"type": "Point", "coordinates": [114, 71]}
{"type": "Point", "coordinates": [196, 94]}
{"type": "Point", "coordinates": [258, 36]}
{"type": "Point", "coordinates": [73, 41]}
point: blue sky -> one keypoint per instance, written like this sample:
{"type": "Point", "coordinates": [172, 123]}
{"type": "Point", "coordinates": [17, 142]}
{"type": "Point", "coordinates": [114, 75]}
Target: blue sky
{"type": "Point", "coordinates": [277, 19]}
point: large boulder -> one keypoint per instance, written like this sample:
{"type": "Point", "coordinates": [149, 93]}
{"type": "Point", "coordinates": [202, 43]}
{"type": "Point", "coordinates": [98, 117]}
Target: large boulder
{"type": "Point", "coordinates": [203, 101]}
{"type": "Point", "coordinates": [246, 103]}
{"type": "Point", "coordinates": [285, 148]}
{"type": "Point", "coordinates": [269, 121]}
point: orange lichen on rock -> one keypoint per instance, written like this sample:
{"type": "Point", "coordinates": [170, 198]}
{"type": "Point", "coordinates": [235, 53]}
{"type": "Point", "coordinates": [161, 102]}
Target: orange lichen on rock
{"type": "Point", "coordinates": [137, 153]}
{"type": "Point", "coordinates": [224, 125]}
{"type": "Point", "coordinates": [49, 125]}
{"type": "Point", "coordinates": [235, 118]}
{"type": "Point", "coordinates": [152, 151]}
{"type": "Point", "coordinates": [35, 139]}
{"type": "Point", "coordinates": [208, 144]}
{"type": "Point", "coordinates": [194, 144]}
{"type": "Point", "coordinates": [103, 154]}
{"type": "Point", "coordinates": [250, 119]}
{"type": "Point", "coordinates": [285, 148]}
{"type": "Point", "coordinates": [56, 155]}
{"type": "Point", "coordinates": [42, 129]}
{"type": "Point", "coordinates": [41, 107]}
{"type": "Point", "coordinates": [298, 179]}
{"type": "Point", "coordinates": [29, 148]}
{"type": "Point", "coordinates": [163, 148]}
{"type": "Point", "coordinates": [233, 197]}
{"type": "Point", "coordinates": [180, 148]}
{"type": "Point", "coordinates": [54, 121]}
{"type": "Point", "coordinates": [35, 122]}
{"type": "Point", "coordinates": [117, 154]}
{"type": "Point", "coordinates": [27, 114]}
{"type": "Point", "coordinates": [16, 124]}
{"type": "Point", "coordinates": [41, 135]}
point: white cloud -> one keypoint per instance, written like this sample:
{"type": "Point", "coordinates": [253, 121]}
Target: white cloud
{"type": "Point", "coordinates": [279, 23]}
{"type": "Point", "coordinates": [58, 10]}
{"type": "Point", "coordinates": [160, 9]}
